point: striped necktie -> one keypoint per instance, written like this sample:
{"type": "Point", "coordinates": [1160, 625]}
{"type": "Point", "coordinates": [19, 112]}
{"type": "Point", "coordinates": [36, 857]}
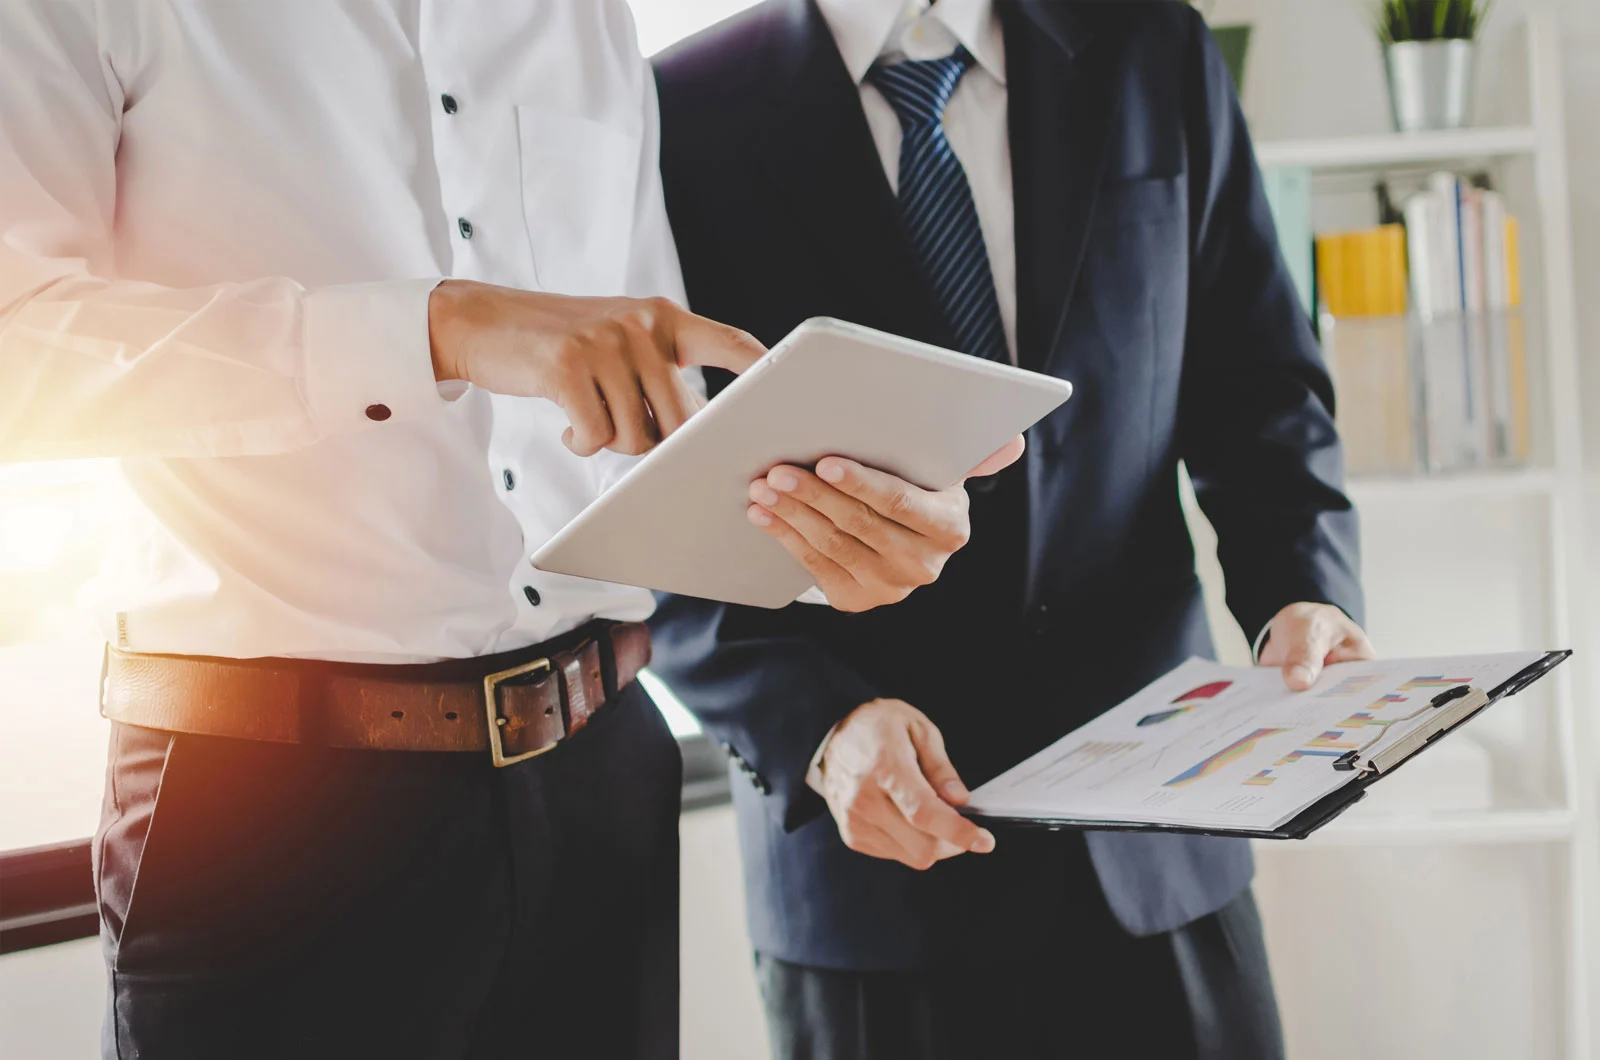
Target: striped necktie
{"type": "Point", "coordinates": [936, 201]}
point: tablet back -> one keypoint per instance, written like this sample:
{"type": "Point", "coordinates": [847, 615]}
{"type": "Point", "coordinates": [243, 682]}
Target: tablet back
{"type": "Point", "coordinates": [676, 522]}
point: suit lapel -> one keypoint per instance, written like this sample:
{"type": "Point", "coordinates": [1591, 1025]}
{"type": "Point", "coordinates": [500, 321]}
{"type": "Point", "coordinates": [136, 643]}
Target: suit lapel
{"type": "Point", "coordinates": [821, 164]}
{"type": "Point", "coordinates": [1064, 109]}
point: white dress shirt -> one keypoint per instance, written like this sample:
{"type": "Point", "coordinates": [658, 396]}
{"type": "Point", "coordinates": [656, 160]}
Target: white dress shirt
{"type": "Point", "coordinates": [219, 226]}
{"type": "Point", "coordinates": [974, 120]}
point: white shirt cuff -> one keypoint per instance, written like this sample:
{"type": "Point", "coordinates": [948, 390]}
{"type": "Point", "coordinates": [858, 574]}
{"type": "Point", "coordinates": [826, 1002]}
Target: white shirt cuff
{"type": "Point", "coordinates": [814, 771]}
{"type": "Point", "coordinates": [813, 595]}
{"type": "Point", "coordinates": [368, 357]}
{"type": "Point", "coordinates": [1261, 639]}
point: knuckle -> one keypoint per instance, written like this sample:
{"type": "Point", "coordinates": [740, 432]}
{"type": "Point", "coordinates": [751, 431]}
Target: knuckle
{"type": "Point", "coordinates": [571, 357]}
{"type": "Point", "coordinates": [859, 520]}
{"type": "Point", "coordinates": [652, 312]}
{"type": "Point", "coordinates": [814, 562]}
{"type": "Point", "coordinates": [833, 542]}
{"type": "Point", "coordinates": [899, 502]}
{"type": "Point", "coordinates": [612, 333]}
{"type": "Point", "coordinates": [631, 445]}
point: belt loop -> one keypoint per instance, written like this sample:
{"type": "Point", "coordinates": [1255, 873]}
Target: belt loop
{"type": "Point", "coordinates": [608, 660]}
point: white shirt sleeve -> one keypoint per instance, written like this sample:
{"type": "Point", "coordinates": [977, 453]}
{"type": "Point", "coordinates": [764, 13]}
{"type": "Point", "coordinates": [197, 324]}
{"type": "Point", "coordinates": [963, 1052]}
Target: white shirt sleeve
{"type": "Point", "coordinates": [1259, 643]}
{"type": "Point", "coordinates": [92, 365]}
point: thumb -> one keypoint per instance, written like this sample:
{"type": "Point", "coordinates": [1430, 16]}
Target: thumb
{"type": "Point", "coordinates": [1001, 458]}
{"type": "Point", "coordinates": [935, 763]}
{"type": "Point", "coordinates": [702, 341]}
{"type": "Point", "coordinates": [1302, 664]}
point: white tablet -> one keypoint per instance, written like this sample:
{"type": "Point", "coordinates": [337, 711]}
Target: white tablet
{"type": "Point", "coordinates": [676, 521]}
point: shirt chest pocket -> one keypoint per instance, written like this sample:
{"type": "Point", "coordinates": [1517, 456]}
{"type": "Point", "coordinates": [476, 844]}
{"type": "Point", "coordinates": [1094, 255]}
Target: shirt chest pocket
{"type": "Point", "coordinates": [579, 182]}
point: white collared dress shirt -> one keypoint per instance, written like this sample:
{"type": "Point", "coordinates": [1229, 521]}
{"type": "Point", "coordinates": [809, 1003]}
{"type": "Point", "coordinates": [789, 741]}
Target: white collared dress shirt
{"type": "Point", "coordinates": [220, 223]}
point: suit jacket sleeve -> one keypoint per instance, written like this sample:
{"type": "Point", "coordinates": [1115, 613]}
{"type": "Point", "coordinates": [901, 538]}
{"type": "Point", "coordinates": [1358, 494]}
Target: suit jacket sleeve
{"type": "Point", "coordinates": [1256, 407]}
{"type": "Point", "coordinates": [760, 685]}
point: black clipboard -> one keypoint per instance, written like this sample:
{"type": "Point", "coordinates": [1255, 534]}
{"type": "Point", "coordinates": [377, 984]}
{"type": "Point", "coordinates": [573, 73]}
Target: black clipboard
{"type": "Point", "coordinates": [1335, 802]}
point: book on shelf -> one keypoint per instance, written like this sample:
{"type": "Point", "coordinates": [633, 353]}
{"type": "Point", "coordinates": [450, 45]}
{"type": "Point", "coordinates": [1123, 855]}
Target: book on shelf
{"type": "Point", "coordinates": [1422, 325]}
{"type": "Point", "coordinates": [1362, 277]}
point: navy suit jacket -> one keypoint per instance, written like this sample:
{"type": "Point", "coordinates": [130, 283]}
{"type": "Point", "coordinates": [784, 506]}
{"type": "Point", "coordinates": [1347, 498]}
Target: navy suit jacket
{"type": "Point", "coordinates": [1150, 276]}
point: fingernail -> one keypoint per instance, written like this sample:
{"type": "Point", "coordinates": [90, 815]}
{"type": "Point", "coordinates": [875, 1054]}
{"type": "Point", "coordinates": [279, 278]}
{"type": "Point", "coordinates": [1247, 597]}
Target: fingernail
{"type": "Point", "coordinates": [830, 471]}
{"type": "Point", "coordinates": [782, 478]}
{"type": "Point", "coordinates": [1301, 674]}
{"type": "Point", "coordinates": [984, 843]}
{"type": "Point", "coordinates": [758, 515]}
{"type": "Point", "coordinates": [954, 789]}
{"type": "Point", "coordinates": [762, 495]}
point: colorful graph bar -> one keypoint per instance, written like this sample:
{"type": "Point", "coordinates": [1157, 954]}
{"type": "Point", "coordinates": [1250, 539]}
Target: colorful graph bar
{"type": "Point", "coordinates": [1307, 752]}
{"type": "Point", "coordinates": [1433, 681]}
{"type": "Point", "coordinates": [1238, 749]}
{"type": "Point", "coordinates": [1362, 718]}
{"type": "Point", "coordinates": [1208, 690]}
{"type": "Point", "coordinates": [1331, 738]}
{"type": "Point", "coordinates": [1353, 685]}
{"type": "Point", "coordinates": [1261, 779]}
{"type": "Point", "coordinates": [1162, 715]}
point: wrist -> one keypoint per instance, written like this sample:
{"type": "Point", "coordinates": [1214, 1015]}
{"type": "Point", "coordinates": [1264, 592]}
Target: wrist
{"type": "Point", "coordinates": [447, 311]}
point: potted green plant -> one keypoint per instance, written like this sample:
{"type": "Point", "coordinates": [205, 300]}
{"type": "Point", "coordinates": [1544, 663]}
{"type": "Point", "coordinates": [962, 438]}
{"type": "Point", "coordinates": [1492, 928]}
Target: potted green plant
{"type": "Point", "coordinates": [1429, 48]}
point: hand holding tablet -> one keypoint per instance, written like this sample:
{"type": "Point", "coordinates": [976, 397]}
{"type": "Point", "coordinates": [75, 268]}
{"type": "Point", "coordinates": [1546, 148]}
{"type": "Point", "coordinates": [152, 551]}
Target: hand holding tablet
{"type": "Point", "coordinates": [680, 520]}
{"type": "Point", "coordinates": [866, 536]}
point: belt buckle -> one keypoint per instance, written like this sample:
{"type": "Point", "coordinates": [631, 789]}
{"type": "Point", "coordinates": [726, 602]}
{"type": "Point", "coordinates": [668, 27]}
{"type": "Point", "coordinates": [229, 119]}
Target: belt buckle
{"type": "Point", "coordinates": [491, 698]}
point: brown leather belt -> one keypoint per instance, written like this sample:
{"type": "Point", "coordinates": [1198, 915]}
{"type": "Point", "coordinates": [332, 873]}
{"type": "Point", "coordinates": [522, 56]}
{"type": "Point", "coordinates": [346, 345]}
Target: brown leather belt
{"type": "Point", "coordinates": [514, 705]}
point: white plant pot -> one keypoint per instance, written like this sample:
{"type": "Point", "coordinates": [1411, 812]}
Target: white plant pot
{"type": "Point", "coordinates": [1430, 83]}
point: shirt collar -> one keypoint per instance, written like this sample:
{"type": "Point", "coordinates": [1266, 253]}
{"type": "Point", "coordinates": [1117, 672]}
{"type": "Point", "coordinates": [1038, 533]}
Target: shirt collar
{"type": "Point", "coordinates": [867, 29]}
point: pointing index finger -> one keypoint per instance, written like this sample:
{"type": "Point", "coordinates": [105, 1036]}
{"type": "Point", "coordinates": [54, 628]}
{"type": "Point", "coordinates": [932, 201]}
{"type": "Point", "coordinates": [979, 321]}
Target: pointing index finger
{"type": "Point", "coordinates": [705, 342]}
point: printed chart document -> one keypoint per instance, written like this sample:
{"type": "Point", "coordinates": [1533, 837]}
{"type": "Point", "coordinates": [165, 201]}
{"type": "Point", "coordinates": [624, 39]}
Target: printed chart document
{"type": "Point", "coordinates": [1229, 750]}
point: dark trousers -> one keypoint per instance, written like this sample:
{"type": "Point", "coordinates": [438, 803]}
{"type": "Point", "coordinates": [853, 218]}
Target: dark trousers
{"type": "Point", "coordinates": [1092, 993]}
{"type": "Point", "coordinates": [268, 901]}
